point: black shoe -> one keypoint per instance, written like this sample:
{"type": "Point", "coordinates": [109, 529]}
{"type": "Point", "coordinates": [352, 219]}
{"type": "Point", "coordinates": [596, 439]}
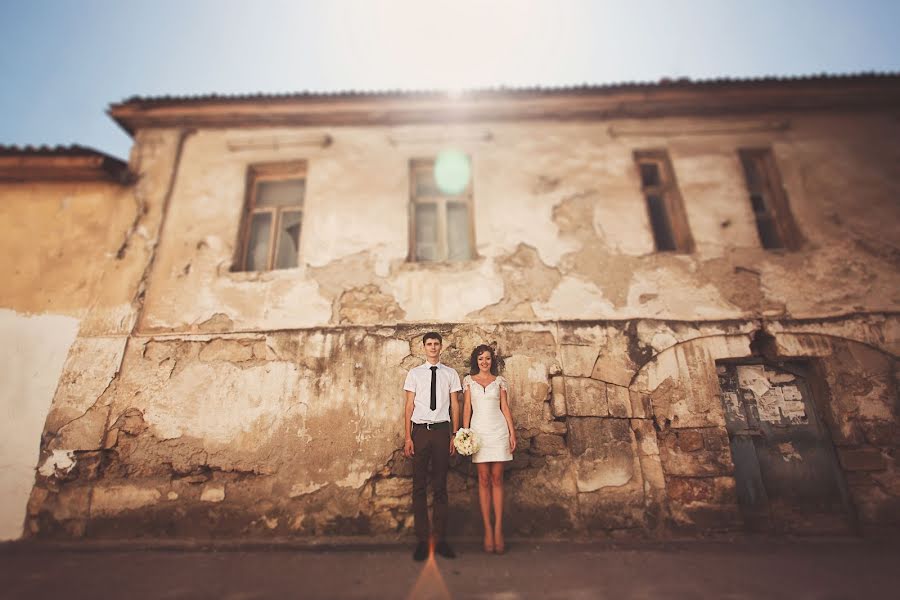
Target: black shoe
{"type": "Point", "coordinates": [421, 552]}
{"type": "Point", "coordinates": [444, 549]}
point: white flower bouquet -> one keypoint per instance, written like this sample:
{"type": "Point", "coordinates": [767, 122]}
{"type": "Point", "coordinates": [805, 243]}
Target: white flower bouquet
{"type": "Point", "coordinates": [465, 442]}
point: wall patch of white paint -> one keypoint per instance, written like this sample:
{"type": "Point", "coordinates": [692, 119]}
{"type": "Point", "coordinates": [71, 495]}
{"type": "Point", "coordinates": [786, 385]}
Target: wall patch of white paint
{"type": "Point", "coordinates": [753, 378]}
{"type": "Point", "coordinates": [33, 354]}
{"type": "Point", "coordinates": [61, 461]}
{"type": "Point", "coordinates": [429, 294]}
{"type": "Point", "coordinates": [575, 298]}
{"type": "Point", "coordinates": [769, 404]}
{"type": "Point", "coordinates": [774, 402]}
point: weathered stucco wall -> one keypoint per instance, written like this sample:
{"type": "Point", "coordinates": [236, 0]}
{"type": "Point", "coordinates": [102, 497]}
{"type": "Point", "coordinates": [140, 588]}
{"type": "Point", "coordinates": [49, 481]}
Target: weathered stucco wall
{"type": "Point", "coordinates": [299, 432]}
{"type": "Point", "coordinates": [560, 226]}
{"type": "Point", "coordinates": [59, 240]}
{"type": "Point", "coordinates": [199, 401]}
{"type": "Point", "coordinates": [60, 279]}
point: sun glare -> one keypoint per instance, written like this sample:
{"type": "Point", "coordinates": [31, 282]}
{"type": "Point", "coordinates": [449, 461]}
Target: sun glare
{"type": "Point", "coordinates": [452, 172]}
{"type": "Point", "coordinates": [430, 585]}
{"type": "Point", "coordinates": [449, 46]}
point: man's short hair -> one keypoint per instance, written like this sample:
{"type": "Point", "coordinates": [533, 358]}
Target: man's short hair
{"type": "Point", "coordinates": [432, 335]}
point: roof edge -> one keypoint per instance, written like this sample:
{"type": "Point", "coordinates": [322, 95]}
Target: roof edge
{"type": "Point", "coordinates": [681, 97]}
{"type": "Point", "coordinates": [21, 164]}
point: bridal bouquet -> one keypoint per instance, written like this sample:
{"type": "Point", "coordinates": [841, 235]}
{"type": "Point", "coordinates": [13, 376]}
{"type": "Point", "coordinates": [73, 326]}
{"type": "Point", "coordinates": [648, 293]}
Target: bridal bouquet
{"type": "Point", "coordinates": [465, 442]}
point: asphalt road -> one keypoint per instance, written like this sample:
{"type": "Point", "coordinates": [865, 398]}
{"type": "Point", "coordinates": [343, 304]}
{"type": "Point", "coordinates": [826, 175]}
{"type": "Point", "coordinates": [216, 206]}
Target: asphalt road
{"type": "Point", "coordinates": [728, 569]}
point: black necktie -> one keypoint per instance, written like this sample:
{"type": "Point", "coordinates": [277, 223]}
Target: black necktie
{"type": "Point", "coordinates": [433, 388]}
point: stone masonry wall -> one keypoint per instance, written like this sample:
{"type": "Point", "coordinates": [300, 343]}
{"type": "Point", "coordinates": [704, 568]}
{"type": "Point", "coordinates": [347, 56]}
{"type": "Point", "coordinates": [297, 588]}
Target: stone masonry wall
{"type": "Point", "coordinates": [621, 428]}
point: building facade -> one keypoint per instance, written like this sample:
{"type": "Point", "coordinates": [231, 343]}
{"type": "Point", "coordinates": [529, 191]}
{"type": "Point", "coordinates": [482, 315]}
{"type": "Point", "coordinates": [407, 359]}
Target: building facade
{"type": "Point", "coordinates": [693, 287]}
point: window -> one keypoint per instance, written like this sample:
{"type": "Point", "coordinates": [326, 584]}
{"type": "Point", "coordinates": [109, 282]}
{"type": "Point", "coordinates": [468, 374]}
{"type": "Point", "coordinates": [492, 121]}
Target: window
{"type": "Point", "coordinates": [270, 236]}
{"type": "Point", "coordinates": [441, 226]}
{"type": "Point", "coordinates": [664, 206]}
{"type": "Point", "coordinates": [774, 220]}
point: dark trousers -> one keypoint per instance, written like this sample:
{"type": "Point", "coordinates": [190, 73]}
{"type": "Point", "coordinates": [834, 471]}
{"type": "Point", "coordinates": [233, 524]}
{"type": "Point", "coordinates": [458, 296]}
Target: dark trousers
{"type": "Point", "coordinates": [431, 446]}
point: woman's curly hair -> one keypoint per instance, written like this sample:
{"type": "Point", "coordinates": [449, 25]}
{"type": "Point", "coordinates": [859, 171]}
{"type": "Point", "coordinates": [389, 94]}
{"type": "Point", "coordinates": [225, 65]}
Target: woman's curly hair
{"type": "Point", "coordinates": [473, 360]}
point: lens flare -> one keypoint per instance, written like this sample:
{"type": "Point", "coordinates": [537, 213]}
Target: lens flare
{"type": "Point", "coordinates": [452, 172]}
{"type": "Point", "coordinates": [430, 584]}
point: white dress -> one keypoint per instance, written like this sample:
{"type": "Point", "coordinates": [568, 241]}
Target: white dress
{"type": "Point", "coordinates": [488, 421]}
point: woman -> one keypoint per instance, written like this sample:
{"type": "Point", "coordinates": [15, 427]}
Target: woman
{"type": "Point", "coordinates": [486, 410]}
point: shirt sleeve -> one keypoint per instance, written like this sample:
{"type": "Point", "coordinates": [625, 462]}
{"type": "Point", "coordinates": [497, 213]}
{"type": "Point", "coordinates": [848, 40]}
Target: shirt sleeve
{"type": "Point", "coordinates": [467, 381]}
{"type": "Point", "coordinates": [455, 385]}
{"type": "Point", "coordinates": [410, 384]}
{"type": "Point", "coordinates": [502, 383]}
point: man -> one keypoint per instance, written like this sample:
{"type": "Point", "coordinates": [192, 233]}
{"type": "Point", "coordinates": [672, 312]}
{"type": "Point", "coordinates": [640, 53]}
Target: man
{"type": "Point", "coordinates": [432, 418]}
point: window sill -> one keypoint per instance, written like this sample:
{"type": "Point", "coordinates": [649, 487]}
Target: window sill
{"type": "Point", "coordinates": [447, 266]}
{"type": "Point", "coordinates": [264, 276]}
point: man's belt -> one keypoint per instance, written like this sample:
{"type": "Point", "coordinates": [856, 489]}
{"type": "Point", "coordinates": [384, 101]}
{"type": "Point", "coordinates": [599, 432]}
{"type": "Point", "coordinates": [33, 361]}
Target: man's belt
{"type": "Point", "coordinates": [430, 426]}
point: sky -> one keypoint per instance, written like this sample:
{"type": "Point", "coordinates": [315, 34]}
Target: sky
{"type": "Point", "coordinates": [62, 62]}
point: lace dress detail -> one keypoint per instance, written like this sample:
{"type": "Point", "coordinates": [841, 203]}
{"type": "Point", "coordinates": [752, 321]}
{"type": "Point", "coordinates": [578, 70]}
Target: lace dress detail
{"type": "Point", "coordinates": [488, 421]}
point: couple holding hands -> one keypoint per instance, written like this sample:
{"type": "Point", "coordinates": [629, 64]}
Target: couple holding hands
{"type": "Point", "coordinates": [432, 421]}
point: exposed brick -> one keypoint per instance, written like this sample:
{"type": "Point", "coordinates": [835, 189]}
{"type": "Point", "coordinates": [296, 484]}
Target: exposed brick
{"type": "Point", "coordinates": [70, 503]}
{"type": "Point", "coordinates": [640, 405]}
{"type": "Point", "coordinates": [597, 433]}
{"type": "Point", "coordinates": [715, 439]}
{"type": "Point", "coordinates": [690, 441]}
{"type": "Point", "coordinates": [586, 397]}
{"type": "Point", "coordinates": [578, 360]}
{"type": "Point", "coordinates": [710, 490]}
{"type": "Point", "coordinates": [862, 459]}
{"type": "Point", "coordinates": [618, 401]}
{"type": "Point", "coordinates": [36, 500]}
{"type": "Point", "coordinates": [544, 444]}
{"type": "Point", "coordinates": [558, 396]}
{"type": "Point", "coordinates": [700, 462]}
{"type": "Point", "coordinates": [395, 486]}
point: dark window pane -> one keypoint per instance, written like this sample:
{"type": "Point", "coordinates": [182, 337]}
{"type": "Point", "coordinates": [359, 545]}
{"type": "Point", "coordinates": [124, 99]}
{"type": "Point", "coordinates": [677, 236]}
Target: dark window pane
{"type": "Point", "coordinates": [288, 240]}
{"type": "Point", "coordinates": [426, 231]}
{"type": "Point", "coordinates": [649, 174]}
{"type": "Point", "coordinates": [659, 221]}
{"type": "Point", "coordinates": [287, 192]}
{"type": "Point", "coordinates": [768, 233]}
{"type": "Point", "coordinates": [752, 173]}
{"type": "Point", "coordinates": [759, 204]}
{"type": "Point", "coordinates": [258, 244]}
{"type": "Point", "coordinates": [458, 231]}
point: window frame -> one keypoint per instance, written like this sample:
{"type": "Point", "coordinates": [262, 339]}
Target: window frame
{"type": "Point", "coordinates": [416, 166]}
{"type": "Point", "coordinates": [770, 189]}
{"type": "Point", "coordinates": [260, 173]}
{"type": "Point", "coordinates": [670, 195]}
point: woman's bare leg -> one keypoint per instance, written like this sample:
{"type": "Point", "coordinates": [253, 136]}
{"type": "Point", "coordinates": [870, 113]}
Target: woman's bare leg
{"type": "Point", "coordinates": [497, 493]}
{"type": "Point", "coordinates": [484, 499]}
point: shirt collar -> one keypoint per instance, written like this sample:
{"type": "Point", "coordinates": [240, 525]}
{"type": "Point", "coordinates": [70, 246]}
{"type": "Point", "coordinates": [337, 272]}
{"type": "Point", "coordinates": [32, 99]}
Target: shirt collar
{"type": "Point", "coordinates": [428, 365]}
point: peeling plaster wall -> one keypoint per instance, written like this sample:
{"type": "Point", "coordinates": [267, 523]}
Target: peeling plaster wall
{"type": "Point", "coordinates": [269, 404]}
{"type": "Point", "coordinates": [62, 281]}
{"type": "Point", "coordinates": [569, 193]}
{"type": "Point", "coordinates": [620, 424]}
{"type": "Point", "coordinates": [33, 353]}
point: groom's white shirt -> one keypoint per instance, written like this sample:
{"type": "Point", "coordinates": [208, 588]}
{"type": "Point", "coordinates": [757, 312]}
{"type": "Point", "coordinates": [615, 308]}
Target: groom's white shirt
{"type": "Point", "coordinates": [418, 380]}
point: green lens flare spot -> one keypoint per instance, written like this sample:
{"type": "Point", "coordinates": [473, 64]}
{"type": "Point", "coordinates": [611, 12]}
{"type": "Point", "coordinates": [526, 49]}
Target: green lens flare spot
{"type": "Point", "coordinates": [452, 172]}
